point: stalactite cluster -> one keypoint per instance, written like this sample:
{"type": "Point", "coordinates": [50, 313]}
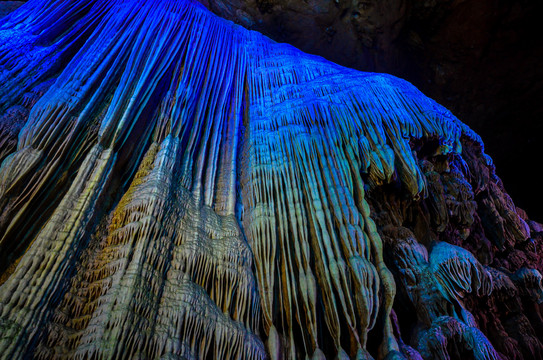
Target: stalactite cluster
{"type": "Point", "coordinates": [174, 186]}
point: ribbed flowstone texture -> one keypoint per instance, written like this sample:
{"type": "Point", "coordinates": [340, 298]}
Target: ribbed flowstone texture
{"type": "Point", "coordinates": [174, 186]}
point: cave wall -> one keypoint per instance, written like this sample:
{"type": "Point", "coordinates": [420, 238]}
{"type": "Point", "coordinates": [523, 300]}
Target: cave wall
{"type": "Point", "coordinates": [211, 193]}
{"type": "Point", "coordinates": [478, 58]}
{"type": "Point", "coordinates": [8, 6]}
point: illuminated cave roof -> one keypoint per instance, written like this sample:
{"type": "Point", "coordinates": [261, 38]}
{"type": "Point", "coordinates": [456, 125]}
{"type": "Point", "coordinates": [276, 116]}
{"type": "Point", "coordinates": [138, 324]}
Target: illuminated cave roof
{"type": "Point", "coordinates": [184, 187]}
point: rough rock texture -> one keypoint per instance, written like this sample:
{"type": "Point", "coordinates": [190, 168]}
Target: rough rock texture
{"type": "Point", "coordinates": [8, 6]}
{"type": "Point", "coordinates": [479, 58]}
{"type": "Point", "coordinates": [174, 186]}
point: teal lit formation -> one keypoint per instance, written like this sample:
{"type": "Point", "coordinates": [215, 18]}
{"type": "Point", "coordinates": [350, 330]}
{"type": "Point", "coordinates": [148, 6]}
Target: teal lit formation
{"type": "Point", "coordinates": [174, 186]}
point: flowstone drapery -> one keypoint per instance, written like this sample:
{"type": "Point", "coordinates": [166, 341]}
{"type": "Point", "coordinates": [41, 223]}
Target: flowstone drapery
{"type": "Point", "coordinates": [175, 186]}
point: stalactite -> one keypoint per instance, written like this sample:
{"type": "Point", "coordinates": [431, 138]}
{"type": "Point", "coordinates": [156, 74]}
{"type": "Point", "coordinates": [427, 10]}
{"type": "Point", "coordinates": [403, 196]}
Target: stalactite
{"type": "Point", "coordinates": [175, 186]}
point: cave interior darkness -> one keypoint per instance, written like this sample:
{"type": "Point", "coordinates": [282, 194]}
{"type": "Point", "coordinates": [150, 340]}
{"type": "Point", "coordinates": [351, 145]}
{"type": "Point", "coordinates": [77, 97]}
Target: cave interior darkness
{"type": "Point", "coordinates": [479, 58]}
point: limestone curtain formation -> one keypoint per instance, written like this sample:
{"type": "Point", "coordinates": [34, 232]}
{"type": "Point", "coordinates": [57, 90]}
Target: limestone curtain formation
{"type": "Point", "coordinates": [174, 186]}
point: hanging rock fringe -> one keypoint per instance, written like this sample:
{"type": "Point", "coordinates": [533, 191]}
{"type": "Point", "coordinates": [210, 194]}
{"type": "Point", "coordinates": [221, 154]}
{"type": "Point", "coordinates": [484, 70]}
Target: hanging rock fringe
{"type": "Point", "coordinates": [175, 186]}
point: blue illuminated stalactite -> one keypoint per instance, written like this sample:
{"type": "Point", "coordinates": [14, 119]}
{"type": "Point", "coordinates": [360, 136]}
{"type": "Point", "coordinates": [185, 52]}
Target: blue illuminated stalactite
{"type": "Point", "coordinates": [239, 168]}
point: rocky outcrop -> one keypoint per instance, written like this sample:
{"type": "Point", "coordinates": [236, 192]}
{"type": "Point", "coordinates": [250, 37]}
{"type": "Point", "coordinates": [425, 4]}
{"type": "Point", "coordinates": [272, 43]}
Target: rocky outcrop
{"type": "Point", "coordinates": [175, 186]}
{"type": "Point", "coordinates": [479, 58]}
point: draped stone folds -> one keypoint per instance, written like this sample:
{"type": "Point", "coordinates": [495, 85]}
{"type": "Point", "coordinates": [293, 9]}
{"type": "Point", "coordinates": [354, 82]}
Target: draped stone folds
{"type": "Point", "coordinates": [175, 186]}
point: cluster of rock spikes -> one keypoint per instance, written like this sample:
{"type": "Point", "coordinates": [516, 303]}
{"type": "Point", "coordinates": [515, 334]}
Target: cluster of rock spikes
{"type": "Point", "coordinates": [174, 186]}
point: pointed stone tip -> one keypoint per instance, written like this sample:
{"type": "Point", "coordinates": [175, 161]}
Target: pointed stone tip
{"type": "Point", "coordinates": [363, 354]}
{"type": "Point", "coordinates": [318, 355]}
{"type": "Point", "coordinates": [274, 344]}
{"type": "Point", "coordinates": [342, 355]}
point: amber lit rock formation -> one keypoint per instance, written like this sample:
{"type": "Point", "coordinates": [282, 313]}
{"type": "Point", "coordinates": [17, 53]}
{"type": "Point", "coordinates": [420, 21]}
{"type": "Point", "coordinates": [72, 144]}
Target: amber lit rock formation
{"type": "Point", "coordinates": [175, 186]}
